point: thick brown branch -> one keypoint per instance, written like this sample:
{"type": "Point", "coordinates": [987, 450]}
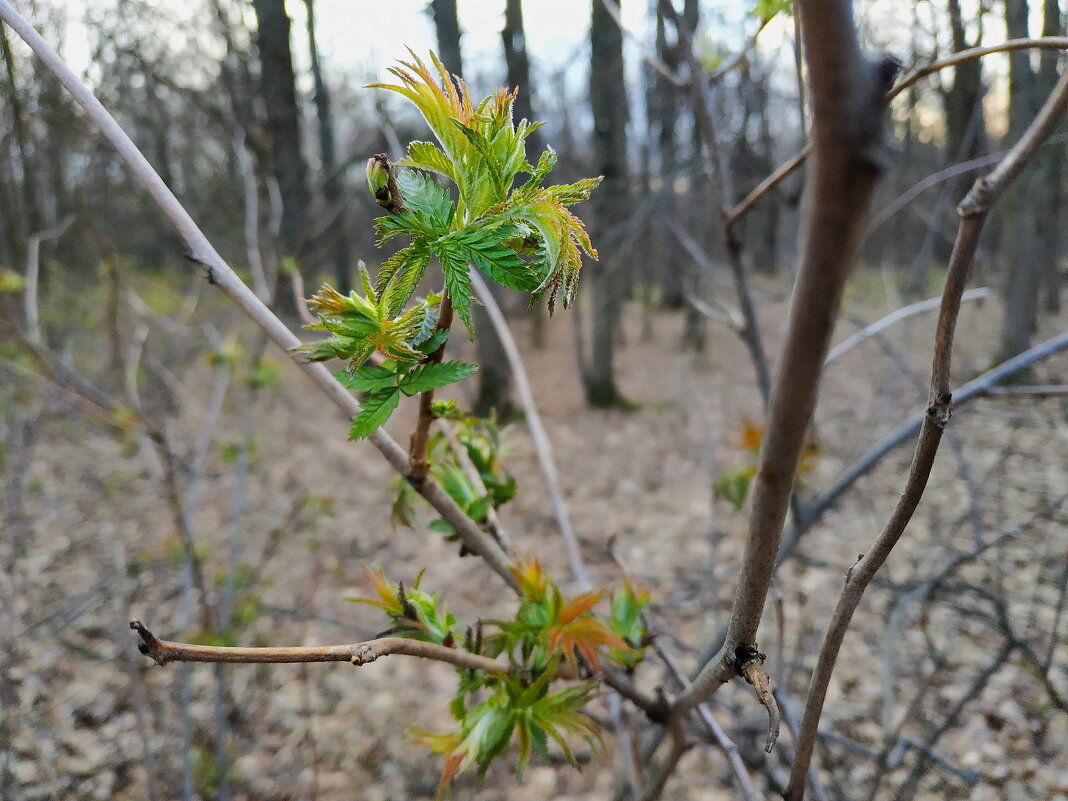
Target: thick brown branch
{"type": "Point", "coordinates": [359, 653]}
{"type": "Point", "coordinates": [847, 94]}
{"type": "Point", "coordinates": [973, 210]}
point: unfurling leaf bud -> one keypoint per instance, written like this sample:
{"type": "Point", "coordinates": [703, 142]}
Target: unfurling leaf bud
{"type": "Point", "coordinates": [382, 181]}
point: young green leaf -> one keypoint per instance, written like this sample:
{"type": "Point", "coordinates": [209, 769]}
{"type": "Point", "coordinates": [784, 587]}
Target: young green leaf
{"type": "Point", "coordinates": [432, 376]}
{"type": "Point", "coordinates": [368, 378]}
{"type": "Point", "coordinates": [484, 247]}
{"type": "Point", "coordinates": [424, 195]}
{"type": "Point", "coordinates": [457, 280]}
{"type": "Point", "coordinates": [376, 410]}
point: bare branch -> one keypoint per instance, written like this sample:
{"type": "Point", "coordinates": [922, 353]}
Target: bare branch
{"type": "Point", "coordinates": [897, 316]}
{"type": "Point", "coordinates": [791, 164]}
{"type": "Point", "coordinates": [220, 274]}
{"type": "Point", "coordinates": [972, 53]}
{"type": "Point", "coordinates": [973, 210]}
{"type": "Point", "coordinates": [359, 653]}
{"type": "Point", "coordinates": [781, 173]}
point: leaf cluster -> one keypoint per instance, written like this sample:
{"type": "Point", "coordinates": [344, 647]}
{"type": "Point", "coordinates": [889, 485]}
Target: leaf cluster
{"type": "Point", "coordinates": [522, 238]}
{"type": "Point", "coordinates": [548, 631]}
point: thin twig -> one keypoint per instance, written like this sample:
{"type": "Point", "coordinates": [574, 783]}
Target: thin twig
{"type": "Point", "coordinates": [787, 167]}
{"type": "Point", "coordinates": [976, 388]}
{"type": "Point", "coordinates": [359, 653]}
{"type": "Point", "coordinates": [897, 316]}
{"type": "Point", "coordinates": [974, 210]}
{"type": "Point", "coordinates": [419, 469]}
{"type": "Point", "coordinates": [972, 53]}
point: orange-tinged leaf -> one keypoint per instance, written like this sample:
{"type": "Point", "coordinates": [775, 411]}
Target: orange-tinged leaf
{"type": "Point", "coordinates": [579, 605]}
{"type": "Point", "coordinates": [532, 580]}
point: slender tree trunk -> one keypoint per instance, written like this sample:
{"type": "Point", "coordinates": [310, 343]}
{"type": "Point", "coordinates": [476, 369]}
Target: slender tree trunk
{"type": "Point", "coordinates": [1019, 227]}
{"type": "Point", "coordinates": [278, 90]}
{"type": "Point", "coordinates": [1051, 175]}
{"type": "Point", "coordinates": [607, 284]}
{"type": "Point", "coordinates": [31, 216]}
{"type": "Point", "coordinates": [336, 235]}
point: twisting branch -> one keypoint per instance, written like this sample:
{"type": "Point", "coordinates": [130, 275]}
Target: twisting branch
{"type": "Point", "coordinates": [33, 271]}
{"type": "Point", "coordinates": [972, 53]}
{"type": "Point", "coordinates": [973, 210]}
{"type": "Point", "coordinates": [787, 167]}
{"type": "Point", "coordinates": [358, 653]}
{"type": "Point", "coordinates": [220, 274]}
{"type": "Point", "coordinates": [847, 102]}
{"type": "Point", "coordinates": [706, 125]}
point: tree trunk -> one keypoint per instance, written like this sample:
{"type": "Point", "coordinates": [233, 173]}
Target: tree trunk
{"type": "Point", "coordinates": [278, 90]}
{"type": "Point", "coordinates": [607, 277]}
{"type": "Point", "coordinates": [1050, 174]}
{"type": "Point", "coordinates": [336, 235]}
{"type": "Point", "coordinates": [1019, 234]}
{"type": "Point", "coordinates": [31, 221]}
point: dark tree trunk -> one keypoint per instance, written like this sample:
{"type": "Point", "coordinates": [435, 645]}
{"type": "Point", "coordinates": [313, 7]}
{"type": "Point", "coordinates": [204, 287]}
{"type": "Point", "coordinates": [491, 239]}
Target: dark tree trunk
{"type": "Point", "coordinates": [447, 25]}
{"type": "Point", "coordinates": [494, 373]}
{"type": "Point", "coordinates": [607, 278]}
{"type": "Point", "coordinates": [336, 235]}
{"type": "Point", "coordinates": [517, 62]}
{"type": "Point", "coordinates": [1019, 235]}
{"type": "Point", "coordinates": [29, 222]}
{"type": "Point", "coordinates": [1049, 166]}
{"type": "Point", "coordinates": [965, 126]}
{"type": "Point", "coordinates": [278, 90]}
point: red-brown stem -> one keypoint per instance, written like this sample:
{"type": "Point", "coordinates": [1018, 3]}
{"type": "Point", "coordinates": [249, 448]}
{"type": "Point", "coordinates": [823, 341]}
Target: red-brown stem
{"type": "Point", "coordinates": [418, 469]}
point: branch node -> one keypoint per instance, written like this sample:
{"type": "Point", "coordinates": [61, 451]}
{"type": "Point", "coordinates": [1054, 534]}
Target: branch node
{"type": "Point", "coordinates": [940, 410]}
{"type": "Point", "coordinates": [977, 202]}
{"type": "Point", "coordinates": [364, 656]}
{"type": "Point", "coordinates": [150, 644]}
{"type": "Point", "coordinates": [749, 664]}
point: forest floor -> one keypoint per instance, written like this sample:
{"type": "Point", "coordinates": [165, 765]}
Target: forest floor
{"type": "Point", "coordinates": [94, 544]}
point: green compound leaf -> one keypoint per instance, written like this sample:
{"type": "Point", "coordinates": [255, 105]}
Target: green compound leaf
{"type": "Point", "coordinates": [484, 247]}
{"type": "Point", "coordinates": [368, 378]}
{"type": "Point", "coordinates": [426, 196]}
{"type": "Point", "coordinates": [432, 376]}
{"type": "Point", "coordinates": [457, 281]}
{"type": "Point", "coordinates": [376, 410]}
